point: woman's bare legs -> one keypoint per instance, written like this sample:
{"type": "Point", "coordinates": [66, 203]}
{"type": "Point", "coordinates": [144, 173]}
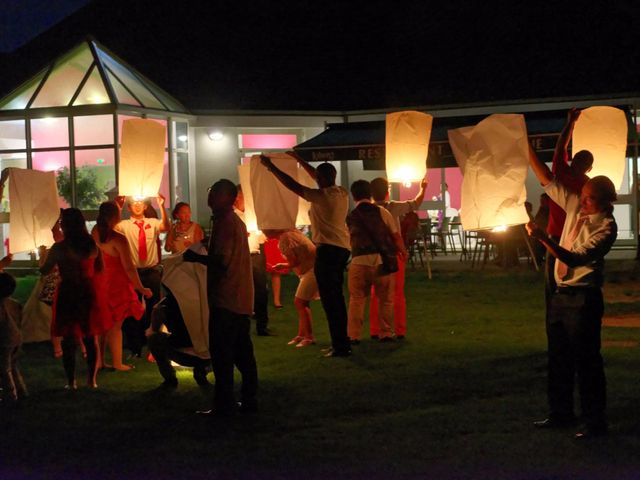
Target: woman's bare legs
{"type": "Point", "coordinates": [57, 346]}
{"type": "Point", "coordinates": [91, 347]}
{"type": "Point", "coordinates": [113, 339]}
{"type": "Point", "coordinates": [304, 321]}
{"type": "Point", "coordinates": [275, 286]}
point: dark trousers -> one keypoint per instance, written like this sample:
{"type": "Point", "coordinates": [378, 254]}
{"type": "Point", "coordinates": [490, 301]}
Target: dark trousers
{"type": "Point", "coordinates": [230, 344]}
{"type": "Point", "coordinates": [133, 329]}
{"type": "Point", "coordinates": [331, 262]}
{"type": "Point", "coordinates": [163, 353]}
{"type": "Point", "coordinates": [260, 293]}
{"type": "Point", "coordinates": [573, 331]}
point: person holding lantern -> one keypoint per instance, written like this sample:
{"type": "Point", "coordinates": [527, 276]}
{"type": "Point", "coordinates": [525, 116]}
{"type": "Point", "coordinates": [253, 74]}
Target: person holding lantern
{"type": "Point", "coordinates": [380, 193]}
{"type": "Point", "coordinates": [142, 234]}
{"type": "Point", "coordinates": [329, 207]}
{"type": "Point", "coordinates": [575, 307]}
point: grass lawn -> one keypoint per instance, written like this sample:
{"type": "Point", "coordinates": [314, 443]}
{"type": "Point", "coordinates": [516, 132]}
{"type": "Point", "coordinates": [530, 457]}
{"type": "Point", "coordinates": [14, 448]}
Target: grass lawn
{"type": "Point", "coordinates": [456, 399]}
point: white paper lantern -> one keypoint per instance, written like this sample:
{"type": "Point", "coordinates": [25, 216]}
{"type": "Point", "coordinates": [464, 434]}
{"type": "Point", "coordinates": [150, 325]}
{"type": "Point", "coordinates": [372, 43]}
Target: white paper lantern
{"type": "Point", "coordinates": [141, 158]}
{"type": "Point", "coordinates": [407, 145]}
{"type": "Point", "coordinates": [603, 131]}
{"type": "Point", "coordinates": [275, 205]}
{"type": "Point", "coordinates": [244, 172]}
{"type": "Point", "coordinates": [493, 157]}
{"type": "Point", "coordinates": [303, 205]}
{"type": "Point", "coordinates": [34, 209]}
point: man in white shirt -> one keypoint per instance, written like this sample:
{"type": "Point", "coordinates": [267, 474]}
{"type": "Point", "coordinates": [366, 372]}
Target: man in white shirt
{"type": "Point", "coordinates": [380, 193]}
{"type": "Point", "coordinates": [142, 235]}
{"type": "Point", "coordinates": [329, 207]}
{"type": "Point", "coordinates": [576, 307]}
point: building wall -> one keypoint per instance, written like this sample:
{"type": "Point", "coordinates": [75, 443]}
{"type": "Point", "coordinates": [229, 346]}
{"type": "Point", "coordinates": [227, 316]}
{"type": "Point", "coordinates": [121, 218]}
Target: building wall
{"type": "Point", "coordinates": [220, 158]}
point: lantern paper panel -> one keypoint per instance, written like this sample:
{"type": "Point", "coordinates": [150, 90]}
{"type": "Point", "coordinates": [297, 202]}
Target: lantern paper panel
{"type": "Point", "coordinates": [34, 209]}
{"type": "Point", "coordinates": [493, 157]}
{"type": "Point", "coordinates": [244, 172]}
{"type": "Point", "coordinates": [603, 131]}
{"type": "Point", "coordinates": [141, 157]}
{"type": "Point", "coordinates": [407, 145]}
{"type": "Point", "coordinates": [187, 281]}
{"type": "Point", "coordinates": [303, 205]}
{"type": "Point", "coordinates": [275, 205]}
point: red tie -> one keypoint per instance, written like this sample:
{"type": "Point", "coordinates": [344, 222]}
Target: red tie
{"type": "Point", "coordinates": [142, 242]}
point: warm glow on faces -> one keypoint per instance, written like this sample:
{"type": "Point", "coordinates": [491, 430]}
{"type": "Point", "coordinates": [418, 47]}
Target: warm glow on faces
{"type": "Point", "coordinates": [239, 203]}
{"type": "Point", "coordinates": [184, 214]}
{"type": "Point", "coordinates": [136, 207]}
{"type": "Point", "coordinates": [588, 200]}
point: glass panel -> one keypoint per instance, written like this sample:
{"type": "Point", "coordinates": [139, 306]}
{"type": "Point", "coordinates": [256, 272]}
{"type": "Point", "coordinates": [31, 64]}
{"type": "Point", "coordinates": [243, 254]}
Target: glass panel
{"type": "Point", "coordinates": [20, 99]}
{"type": "Point", "coordinates": [272, 141]}
{"type": "Point", "coordinates": [122, 94]}
{"type": "Point", "coordinates": [57, 162]}
{"type": "Point", "coordinates": [164, 184]}
{"type": "Point", "coordinates": [95, 176]}
{"type": "Point", "coordinates": [12, 135]}
{"type": "Point", "coordinates": [64, 80]}
{"type": "Point", "coordinates": [627, 178]}
{"type": "Point", "coordinates": [132, 83]}
{"type": "Point", "coordinates": [7, 160]}
{"type": "Point", "coordinates": [50, 132]}
{"type": "Point", "coordinates": [181, 177]}
{"type": "Point", "coordinates": [93, 130]}
{"type": "Point", "coordinates": [93, 91]}
{"type": "Point", "coordinates": [181, 132]}
{"type": "Point", "coordinates": [622, 214]}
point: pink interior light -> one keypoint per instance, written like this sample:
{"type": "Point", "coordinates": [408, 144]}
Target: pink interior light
{"type": "Point", "coordinates": [268, 141]}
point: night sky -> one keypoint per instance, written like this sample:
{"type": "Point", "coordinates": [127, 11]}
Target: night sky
{"type": "Point", "coordinates": [350, 55]}
{"type": "Point", "coordinates": [21, 20]}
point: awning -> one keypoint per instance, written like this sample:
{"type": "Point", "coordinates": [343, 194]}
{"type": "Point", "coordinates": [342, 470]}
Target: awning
{"type": "Point", "coordinates": [365, 141]}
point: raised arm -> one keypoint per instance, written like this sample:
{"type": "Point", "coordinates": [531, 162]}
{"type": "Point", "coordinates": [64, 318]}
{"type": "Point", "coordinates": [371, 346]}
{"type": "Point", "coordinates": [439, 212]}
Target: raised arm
{"type": "Point", "coordinates": [561, 152]}
{"type": "Point", "coordinates": [541, 171]}
{"type": "Point", "coordinates": [303, 163]}
{"type": "Point", "coordinates": [52, 259]}
{"type": "Point", "coordinates": [423, 188]}
{"type": "Point", "coordinates": [166, 225]}
{"type": "Point", "coordinates": [285, 179]}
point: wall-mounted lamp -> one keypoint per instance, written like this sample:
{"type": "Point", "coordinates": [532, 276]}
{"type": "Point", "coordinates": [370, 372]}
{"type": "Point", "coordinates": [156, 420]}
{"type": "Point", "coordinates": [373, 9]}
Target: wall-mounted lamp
{"type": "Point", "coordinates": [216, 135]}
{"type": "Point", "coordinates": [182, 138]}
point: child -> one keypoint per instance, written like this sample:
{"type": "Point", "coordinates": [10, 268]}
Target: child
{"type": "Point", "coordinates": [10, 338]}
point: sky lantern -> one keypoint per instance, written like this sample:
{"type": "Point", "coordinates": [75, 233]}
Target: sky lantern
{"type": "Point", "coordinates": [275, 205]}
{"type": "Point", "coordinates": [493, 157]}
{"type": "Point", "coordinates": [303, 205]}
{"type": "Point", "coordinates": [603, 131]}
{"type": "Point", "coordinates": [33, 197]}
{"type": "Point", "coordinates": [407, 146]}
{"type": "Point", "coordinates": [141, 158]}
{"type": "Point", "coordinates": [244, 172]}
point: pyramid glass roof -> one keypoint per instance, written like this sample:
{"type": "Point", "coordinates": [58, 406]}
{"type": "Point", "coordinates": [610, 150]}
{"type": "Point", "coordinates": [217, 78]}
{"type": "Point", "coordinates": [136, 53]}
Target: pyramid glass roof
{"type": "Point", "coordinates": [89, 75]}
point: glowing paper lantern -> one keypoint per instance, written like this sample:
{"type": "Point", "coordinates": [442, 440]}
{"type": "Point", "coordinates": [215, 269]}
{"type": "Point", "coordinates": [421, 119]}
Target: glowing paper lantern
{"type": "Point", "coordinates": [407, 145]}
{"type": "Point", "coordinates": [244, 172]}
{"type": "Point", "coordinates": [141, 157]}
{"type": "Point", "coordinates": [275, 205]}
{"type": "Point", "coordinates": [34, 209]}
{"type": "Point", "coordinates": [493, 157]}
{"type": "Point", "coordinates": [603, 131]}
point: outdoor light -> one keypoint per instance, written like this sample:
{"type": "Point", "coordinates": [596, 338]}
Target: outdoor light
{"type": "Point", "coordinates": [603, 131]}
{"type": "Point", "coordinates": [494, 158]}
{"type": "Point", "coordinates": [183, 138]}
{"type": "Point", "coordinates": [216, 135]}
{"type": "Point", "coordinates": [407, 146]}
{"type": "Point", "coordinates": [141, 157]}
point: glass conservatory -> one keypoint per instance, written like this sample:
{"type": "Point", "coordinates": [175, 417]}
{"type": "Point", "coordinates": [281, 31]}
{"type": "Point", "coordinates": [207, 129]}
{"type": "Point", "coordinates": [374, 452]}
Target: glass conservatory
{"type": "Point", "coordinates": [68, 119]}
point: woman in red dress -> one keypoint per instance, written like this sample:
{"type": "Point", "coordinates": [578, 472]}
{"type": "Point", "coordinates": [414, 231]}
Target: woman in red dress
{"type": "Point", "coordinates": [121, 280]}
{"type": "Point", "coordinates": [78, 306]}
